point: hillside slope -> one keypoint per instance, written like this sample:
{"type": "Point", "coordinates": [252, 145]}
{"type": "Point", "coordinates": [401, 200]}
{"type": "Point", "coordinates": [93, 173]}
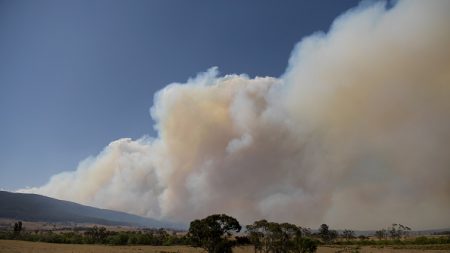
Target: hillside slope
{"type": "Point", "coordinates": [33, 207]}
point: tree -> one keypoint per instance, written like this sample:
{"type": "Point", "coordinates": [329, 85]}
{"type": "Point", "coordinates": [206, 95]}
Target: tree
{"type": "Point", "coordinates": [272, 237]}
{"type": "Point", "coordinates": [212, 233]}
{"type": "Point", "coordinates": [333, 235]}
{"type": "Point", "coordinates": [17, 228]}
{"type": "Point", "coordinates": [381, 234]}
{"type": "Point", "coordinates": [397, 231]}
{"type": "Point", "coordinates": [324, 231]}
{"type": "Point", "coordinates": [96, 234]}
{"type": "Point", "coordinates": [257, 235]}
{"type": "Point", "coordinates": [327, 235]}
{"type": "Point", "coordinates": [348, 234]}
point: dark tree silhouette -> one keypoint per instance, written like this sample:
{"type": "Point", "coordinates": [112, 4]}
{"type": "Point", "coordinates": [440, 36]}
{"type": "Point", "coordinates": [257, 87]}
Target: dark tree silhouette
{"type": "Point", "coordinates": [212, 233]}
{"type": "Point", "coordinates": [397, 231]}
{"type": "Point", "coordinates": [272, 237]}
{"type": "Point", "coordinates": [348, 234]}
{"type": "Point", "coordinates": [18, 227]}
{"type": "Point", "coordinates": [381, 234]}
{"type": "Point", "coordinates": [96, 234]}
{"type": "Point", "coordinates": [327, 235]}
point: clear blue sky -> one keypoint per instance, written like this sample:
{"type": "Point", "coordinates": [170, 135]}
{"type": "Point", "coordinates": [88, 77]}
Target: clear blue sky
{"type": "Point", "coordinates": [76, 75]}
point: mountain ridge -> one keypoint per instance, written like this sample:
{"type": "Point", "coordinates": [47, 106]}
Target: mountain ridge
{"type": "Point", "coordinates": [34, 207]}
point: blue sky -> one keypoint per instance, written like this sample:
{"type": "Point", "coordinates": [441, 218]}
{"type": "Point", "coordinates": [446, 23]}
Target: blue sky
{"type": "Point", "coordinates": [76, 75]}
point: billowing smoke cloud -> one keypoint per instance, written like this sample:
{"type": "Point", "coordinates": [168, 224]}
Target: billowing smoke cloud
{"type": "Point", "coordinates": [355, 134]}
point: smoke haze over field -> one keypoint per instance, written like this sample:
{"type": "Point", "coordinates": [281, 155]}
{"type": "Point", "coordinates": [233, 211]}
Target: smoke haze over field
{"type": "Point", "coordinates": [355, 134]}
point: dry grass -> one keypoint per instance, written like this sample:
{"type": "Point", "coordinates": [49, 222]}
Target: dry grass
{"type": "Point", "coordinates": [7, 246]}
{"type": "Point", "coordinates": [371, 249]}
{"type": "Point", "coordinates": [7, 224]}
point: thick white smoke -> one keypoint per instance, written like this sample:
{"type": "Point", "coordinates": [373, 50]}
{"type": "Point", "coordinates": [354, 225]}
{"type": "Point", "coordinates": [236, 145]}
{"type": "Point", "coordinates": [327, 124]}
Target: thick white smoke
{"type": "Point", "coordinates": [355, 134]}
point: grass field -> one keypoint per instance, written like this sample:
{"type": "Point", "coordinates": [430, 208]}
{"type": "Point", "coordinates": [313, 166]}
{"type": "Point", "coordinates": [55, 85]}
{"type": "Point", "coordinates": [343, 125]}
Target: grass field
{"type": "Point", "coordinates": [8, 246]}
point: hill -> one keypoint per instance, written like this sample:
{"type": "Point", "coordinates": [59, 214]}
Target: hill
{"type": "Point", "coordinates": [33, 207]}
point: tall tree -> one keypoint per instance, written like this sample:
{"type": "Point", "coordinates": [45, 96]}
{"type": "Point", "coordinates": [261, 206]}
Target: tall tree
{"type": "Point", "coordinates": [327, 235]}
{"type": "Point", "coordinates": [348, 234]}
{"type": "Point", "coordinates": [381, 234]}
{"type": "Point", "coordinates": [272, 237]}
{"type": "Point", "coordinates": [397, 231]}
{"type": "Point", "coordinates": [212, 233]}
{"type": "Point", "coordinates": [17, 227]}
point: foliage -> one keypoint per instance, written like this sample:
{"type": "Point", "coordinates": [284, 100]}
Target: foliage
{"type": "Point", "coordinates": [99, 235]}
{"type": "Point", "coordinates": [96, 234]}
{"type": "Point", "coordinates": [17, 227]}
{"type": "Point", "coordinates": [212, 233]}
{"type": "Point", "coordinates": [327, 236]}
{"type": "Point", "coordinates": [348, 234]}
{"type": "Point", "coordinates": [422, 240]}
{"type": "Point", "coordinates": [381, 234]}
{"type": "Point", "coordinates": [242, 240]}
{"type": "Point", "coordinates": [397, 231]}
{"type": "Point", "coordinates": [279, 238]}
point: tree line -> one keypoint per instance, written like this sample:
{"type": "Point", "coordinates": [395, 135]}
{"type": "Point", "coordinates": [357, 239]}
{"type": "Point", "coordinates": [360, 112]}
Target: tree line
{"type": "Point", "coordinates": [214, 235]}
{"type": "Point", "coordinates": [280, 237]}
{"type": "Point", "coordinates": [99, 235]}
{"type": "Point", "coordinates": [219, 233]}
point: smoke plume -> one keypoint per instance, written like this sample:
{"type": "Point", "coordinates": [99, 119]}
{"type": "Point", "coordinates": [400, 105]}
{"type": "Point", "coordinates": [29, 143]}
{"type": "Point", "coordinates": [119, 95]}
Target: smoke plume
{"type": "Point", "coordinates": [355, 134]}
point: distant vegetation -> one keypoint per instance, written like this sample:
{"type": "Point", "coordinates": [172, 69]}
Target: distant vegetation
{"type": "Point", "coordinates": [218, 233]}
{"type": "Point", "coordinates": [285, 237]}
{"type": "Point", "coordinates": [99, 235]}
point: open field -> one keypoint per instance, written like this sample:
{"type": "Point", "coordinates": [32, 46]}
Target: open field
{"type": "Point", "coordinates": [394, 249]}
{"type": "Point", "coordinates": [10, 246]}
{"type": "Point", "coordinates": [7, 224]}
